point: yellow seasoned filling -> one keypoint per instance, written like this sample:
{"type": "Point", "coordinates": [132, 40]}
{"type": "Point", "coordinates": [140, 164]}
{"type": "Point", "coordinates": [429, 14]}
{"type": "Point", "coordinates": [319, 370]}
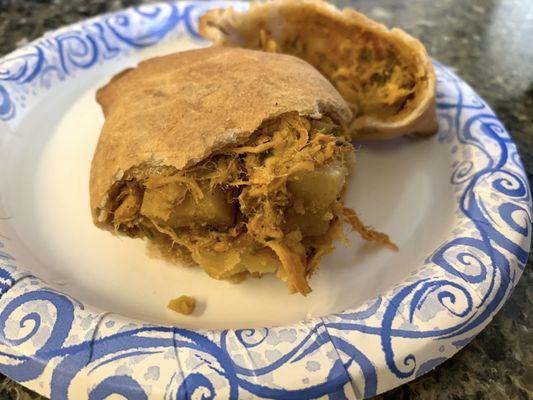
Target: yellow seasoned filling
{"type": "Point", "coordinates": [270, 205]}
{"type": "Point", "coordinates": [208, 208]}
{"type": "Point", "coordinates": [373, 75]}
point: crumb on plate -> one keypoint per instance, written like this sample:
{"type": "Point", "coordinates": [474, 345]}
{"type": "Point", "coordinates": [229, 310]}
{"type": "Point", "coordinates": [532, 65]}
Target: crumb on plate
{"type": "Point", "coordinates": [184, 304]}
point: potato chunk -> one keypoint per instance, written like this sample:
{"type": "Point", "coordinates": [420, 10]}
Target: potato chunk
{"type": "Point", "coordinates": [213, 209]}
{"type": "Point", "coordinates": [159, 201]}
{"type": "Point", "coordinates": [310, 224]}
{"type": "Point", "coordinates": [319, 188]}
{"type": "Point", "coordinates": [227, 264]}
{"type": "Point", "coordinates": [173, 205]}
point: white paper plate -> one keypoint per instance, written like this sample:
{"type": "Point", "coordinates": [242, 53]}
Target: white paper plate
{"type": "Point", "coordinates": [82, 313]}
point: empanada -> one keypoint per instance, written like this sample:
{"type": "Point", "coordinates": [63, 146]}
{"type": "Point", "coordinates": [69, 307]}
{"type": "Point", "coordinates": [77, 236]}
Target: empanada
{"type": "Point", "coordinates": [384, 75]}
{"type": "Point", "coordinates": [234, 158]}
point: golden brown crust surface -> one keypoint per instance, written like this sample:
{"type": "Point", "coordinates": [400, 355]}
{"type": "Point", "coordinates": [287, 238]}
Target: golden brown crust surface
{"type": "Point", "coordinates": [283, 19]}
{"type": "Point", "coordinates": [177, 109]}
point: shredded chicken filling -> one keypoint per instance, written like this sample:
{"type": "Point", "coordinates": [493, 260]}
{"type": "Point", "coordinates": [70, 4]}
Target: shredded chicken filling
{"type": "Point", "coordinates": [270, 205]}
{"type": "Point", "coordinates": [372, 74]}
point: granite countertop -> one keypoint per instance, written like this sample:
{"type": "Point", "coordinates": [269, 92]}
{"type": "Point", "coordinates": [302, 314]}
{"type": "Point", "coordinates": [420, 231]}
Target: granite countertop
{"type": "Point", "coordinates": [488, 44]}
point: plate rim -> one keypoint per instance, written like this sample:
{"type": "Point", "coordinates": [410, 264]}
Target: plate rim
{"type": "Point", "coordinates": [341, 345]}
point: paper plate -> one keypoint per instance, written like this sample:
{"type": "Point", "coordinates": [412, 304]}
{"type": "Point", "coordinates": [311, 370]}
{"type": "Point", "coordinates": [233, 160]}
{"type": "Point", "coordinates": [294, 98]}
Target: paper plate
{"type": "Point", "coordinates": [82, 313]}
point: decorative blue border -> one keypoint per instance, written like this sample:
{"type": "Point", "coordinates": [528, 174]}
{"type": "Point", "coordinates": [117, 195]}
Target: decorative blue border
{"type": "Point", "coordinates": [64, 349]}
{"type": "Point", "coordinates": [62, 53]}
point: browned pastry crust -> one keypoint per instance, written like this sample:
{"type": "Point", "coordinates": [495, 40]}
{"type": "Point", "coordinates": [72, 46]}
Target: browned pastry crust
{"type": "Point", "coordinates": [177, 109]}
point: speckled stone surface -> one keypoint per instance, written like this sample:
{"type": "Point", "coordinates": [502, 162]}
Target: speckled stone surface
{"type": "Point", "coordinates": [489, 43]}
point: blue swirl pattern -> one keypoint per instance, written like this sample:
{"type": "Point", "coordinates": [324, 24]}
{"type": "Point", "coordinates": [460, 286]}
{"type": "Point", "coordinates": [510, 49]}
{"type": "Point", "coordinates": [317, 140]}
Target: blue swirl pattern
{"type": "Point", "coordinates": [58, 347]}
{"type": "Point", "coordinates": [84, 45]}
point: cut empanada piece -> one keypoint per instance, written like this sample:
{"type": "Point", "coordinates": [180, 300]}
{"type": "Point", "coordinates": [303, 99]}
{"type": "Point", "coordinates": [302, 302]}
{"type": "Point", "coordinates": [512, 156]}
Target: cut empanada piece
{"type": "Point", "coordinates": [385, 76]}
{"type": "Point", "coordinates": [236, 159]}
